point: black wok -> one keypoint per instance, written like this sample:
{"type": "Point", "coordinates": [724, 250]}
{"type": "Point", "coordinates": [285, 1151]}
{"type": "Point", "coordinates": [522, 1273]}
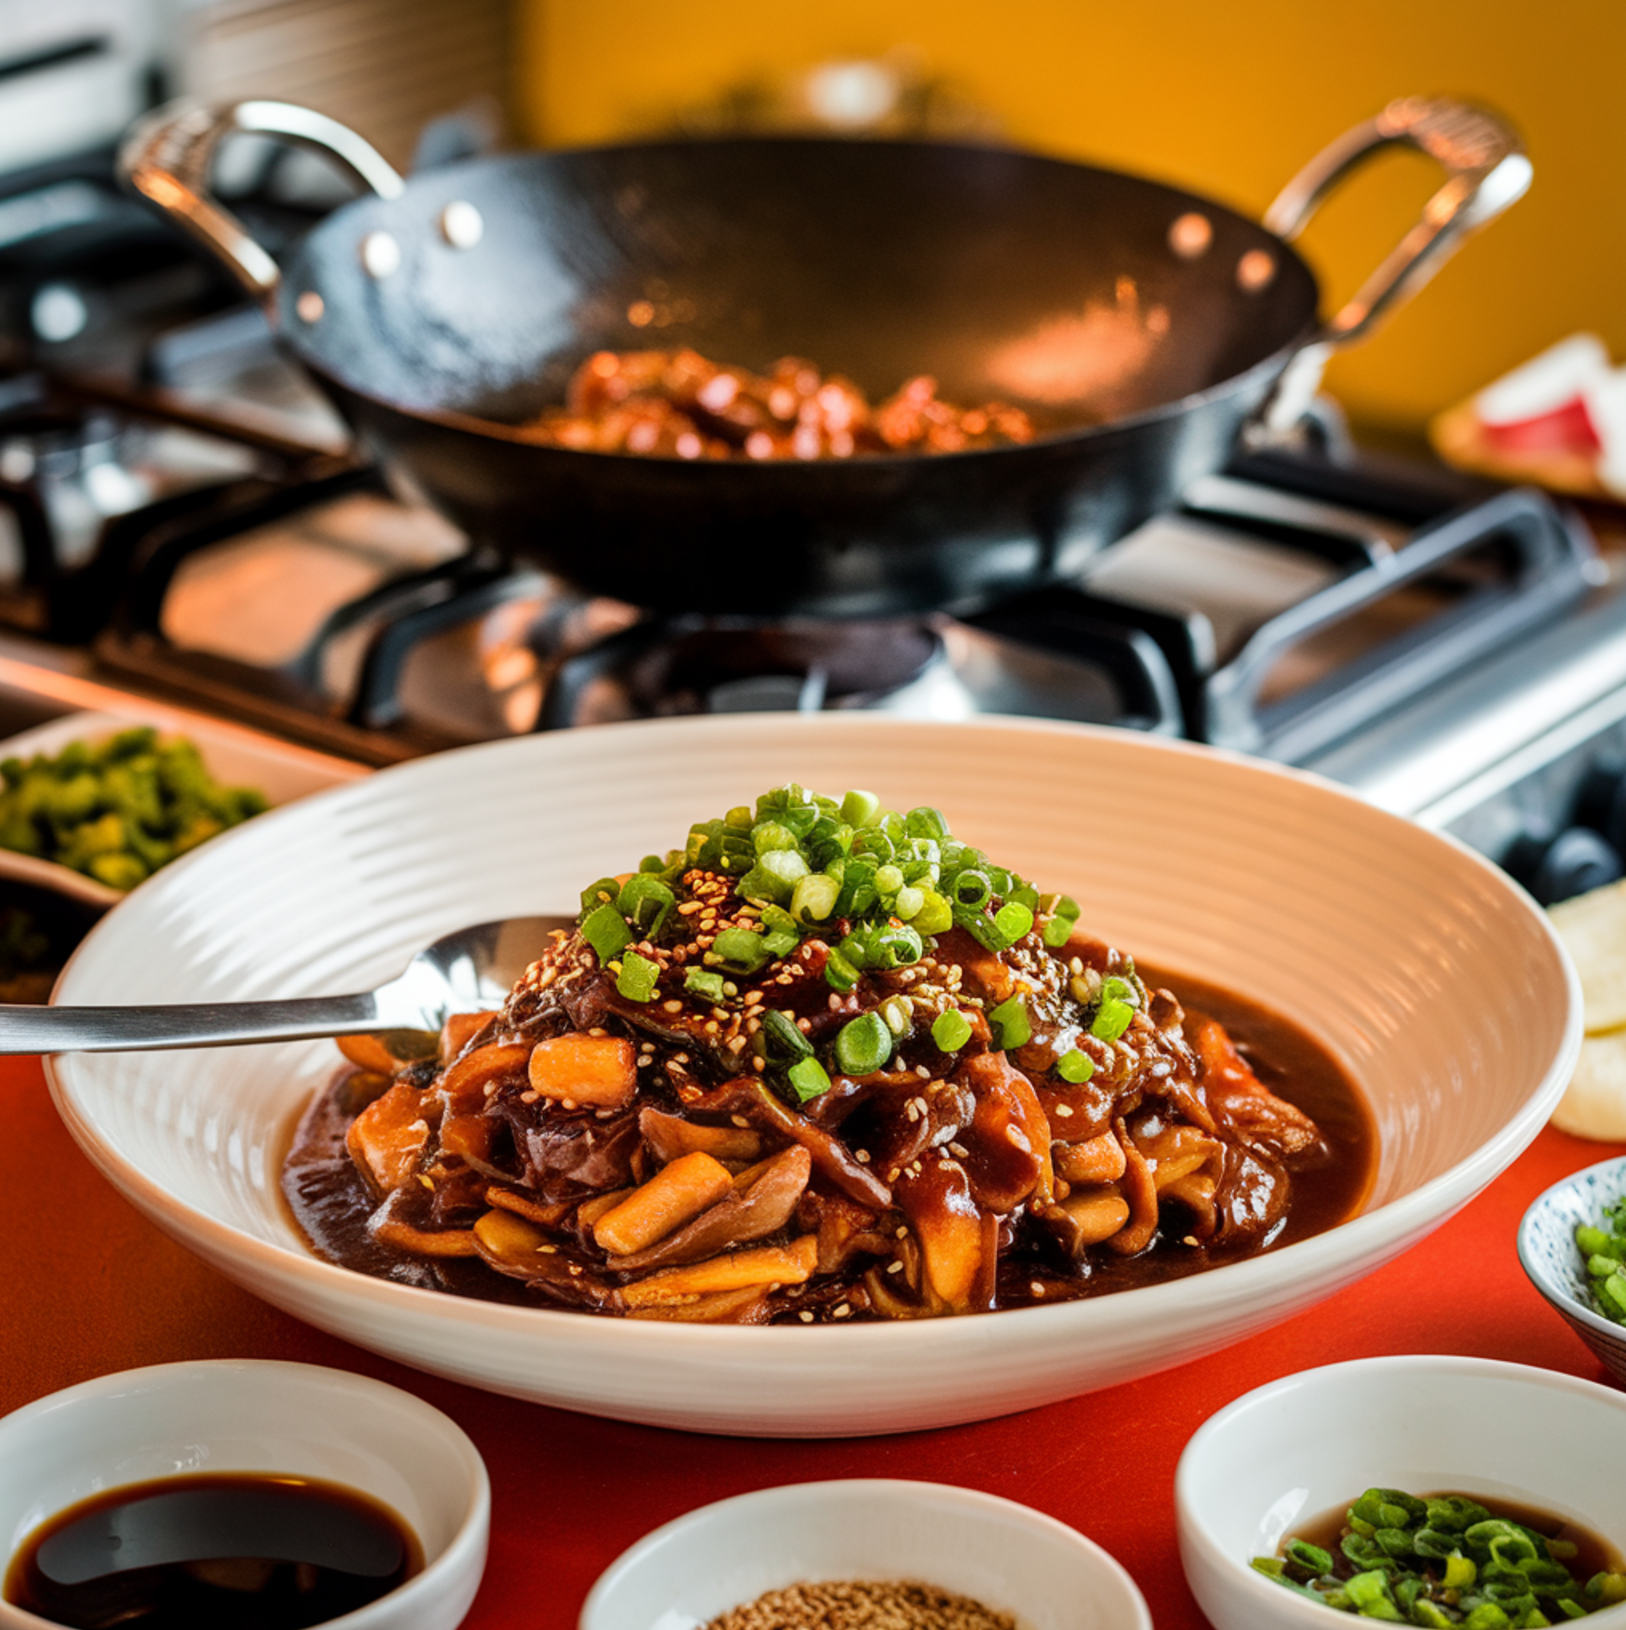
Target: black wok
{"type": "Point", "coordinates": [1145, 329]}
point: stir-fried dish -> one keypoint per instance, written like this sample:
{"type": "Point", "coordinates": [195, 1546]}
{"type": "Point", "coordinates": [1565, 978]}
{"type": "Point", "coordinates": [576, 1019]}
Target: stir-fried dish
{"type": "Point", "coordinates": [825, 1062]}
{"type": "Point", "coordinates": [677, 404]}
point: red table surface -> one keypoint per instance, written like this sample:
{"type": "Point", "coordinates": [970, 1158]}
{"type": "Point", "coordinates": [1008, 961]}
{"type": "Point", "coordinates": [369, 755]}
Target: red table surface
{"type": "Point", "coordinates": [92, 1287]}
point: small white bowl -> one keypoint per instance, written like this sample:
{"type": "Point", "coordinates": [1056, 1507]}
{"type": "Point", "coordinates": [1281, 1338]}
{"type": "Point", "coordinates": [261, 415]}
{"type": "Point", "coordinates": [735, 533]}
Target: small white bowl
{"type": "Point", "coordinates": [234, 756]}
{"type": "Point", "coordinates": [1310, 1443]}
{"type": "Point", "coordinates": [258, 1416]}
{"type": "Point", "coordinates": [1004, 1555]}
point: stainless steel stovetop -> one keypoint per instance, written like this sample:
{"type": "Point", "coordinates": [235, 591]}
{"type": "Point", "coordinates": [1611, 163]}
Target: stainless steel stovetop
{"type": "Point", "coordinates": [1455, 652]}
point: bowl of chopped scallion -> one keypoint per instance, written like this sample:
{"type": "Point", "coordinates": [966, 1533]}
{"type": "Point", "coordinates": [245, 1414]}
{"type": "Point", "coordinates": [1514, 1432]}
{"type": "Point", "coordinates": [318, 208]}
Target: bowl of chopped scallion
{"type": "Point", "coordinates": [1572, 1244]}
{"type": "Point", "coordinates": [1421, 1489]}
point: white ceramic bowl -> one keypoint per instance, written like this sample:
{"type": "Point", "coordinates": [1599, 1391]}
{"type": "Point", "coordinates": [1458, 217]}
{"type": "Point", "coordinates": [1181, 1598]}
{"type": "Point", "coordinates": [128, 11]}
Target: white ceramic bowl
{"type": "Point", "coordinates": [1434, 979]}
{"type": "Point", "coordinates": [236, 757]}
{"type": "Point", "coordinates": [240, 1415]}
{"type": "Point", "coordinates": [1004, 1555]}
{"type": "Point", "coordinates": [1314, 1442]}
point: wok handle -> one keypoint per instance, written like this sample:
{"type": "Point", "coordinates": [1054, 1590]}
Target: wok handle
{"type": "Point", "coordinates": [166, 157]}
{"type": "Point", "coordinates": [1486, 170]}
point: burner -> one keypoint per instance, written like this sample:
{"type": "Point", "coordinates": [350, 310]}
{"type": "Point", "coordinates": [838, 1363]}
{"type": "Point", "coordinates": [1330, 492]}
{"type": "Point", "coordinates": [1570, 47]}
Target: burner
{"type": "Point", "coordinates": [671, 665]}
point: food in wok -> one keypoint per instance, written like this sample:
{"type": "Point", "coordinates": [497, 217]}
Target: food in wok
{"type": "Point", "coordinates": [678, 404]}
{"type": "Point", "coordinates": [827, 1062]}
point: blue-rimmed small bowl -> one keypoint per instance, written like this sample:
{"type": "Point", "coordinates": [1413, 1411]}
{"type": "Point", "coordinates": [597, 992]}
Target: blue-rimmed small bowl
{"type": "Point", "coordinates": [1549, 1255]}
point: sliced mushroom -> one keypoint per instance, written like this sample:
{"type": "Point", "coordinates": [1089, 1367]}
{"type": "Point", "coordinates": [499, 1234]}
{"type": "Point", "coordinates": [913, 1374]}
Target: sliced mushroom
{"type": "Point", "coordinates": [761, 1266]}
{"type": "Point", "coordinates": [763, 1206]}
{"type": "Point", "coordinates": [671, 1136]}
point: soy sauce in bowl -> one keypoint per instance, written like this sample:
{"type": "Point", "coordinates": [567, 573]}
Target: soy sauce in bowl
{"type": "Point", "coordinates": [255, 1551]}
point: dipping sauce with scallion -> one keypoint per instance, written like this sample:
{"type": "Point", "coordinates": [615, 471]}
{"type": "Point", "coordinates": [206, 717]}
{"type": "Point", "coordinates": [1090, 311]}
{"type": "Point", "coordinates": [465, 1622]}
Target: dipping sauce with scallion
{"type": "Point", "coordinates": [1450, 1559]}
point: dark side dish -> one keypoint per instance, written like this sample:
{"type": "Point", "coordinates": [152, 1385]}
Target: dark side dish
{"type": "Point", "coordinates": [677, 404]}
{"type": "Point", "coordinates": [827, 1062]}
{"type": "Point", "coordinates": [1449, 1559]}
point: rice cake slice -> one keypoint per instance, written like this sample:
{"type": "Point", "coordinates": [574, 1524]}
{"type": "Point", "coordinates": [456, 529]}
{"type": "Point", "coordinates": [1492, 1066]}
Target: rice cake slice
{"type": "Point", "coordinates": [1593, 929]}
{"type": "Point", "coordinates": [1594, 1103]}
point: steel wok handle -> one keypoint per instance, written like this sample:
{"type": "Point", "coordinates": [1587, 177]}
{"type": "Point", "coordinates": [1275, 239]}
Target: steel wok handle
{"type": "Point", "coordinates": [165, 157]}
{"type": "Point", "coordinates": [1486, 170]}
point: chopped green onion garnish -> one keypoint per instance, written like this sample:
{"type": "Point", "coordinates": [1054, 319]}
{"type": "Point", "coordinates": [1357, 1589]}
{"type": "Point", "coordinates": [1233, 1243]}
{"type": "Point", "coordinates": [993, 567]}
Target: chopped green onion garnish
{"type": "Point", "coordinates": [951, 1030]}
{"type": "Point", "coordinates": [926, 822]}
{"type": "Point", "coordinates": [1111, 1019]}
{"type": "Point", "coordinates": [936, 915]}
{"type": "Point", "coordinates": [971, 889]}
{"type": "Point", "coordinates": [605, 892]}
{"type": "Point", "coordinates": [808, 1077]}
{"type": "Point", "coordinates": [1013, 920]}
{"type": "Point", "coordinates": [739, 950]}
{"type": "Point", "coordinates": [1309, 1556]}
{"type": "Point", "coordinates": [863, 1044]}
{"type": "Point", "coordinates": [882, 945]}
{"type": "Point", "coordinates": [814, 898]}
{"type": "Point", "coordinates": [704, 982]}
{"type": "Point", "coordinates": [1013, 1028]}
{"type": "Point", "coordinates": [1075, 1067]}
{"type": "Point", "coordinates": [858, 808]}
{"type": "Point", "coordinates": [839, 973]}
{"type": "Point", "coordinates": [646, 901]}
{"type": "Point", "coordinates": [1460, 1572]}
{"type": "Point", "coordinates": [1366, 1589]}
{"type": "Point", "coordinates": [783, 1034]}
{"type": "Point", "coordinates": [606, 931]}
{"type": "Point", "coordinates": [636, 981]}
{"type": "Point", "coordinates": [767, 836]}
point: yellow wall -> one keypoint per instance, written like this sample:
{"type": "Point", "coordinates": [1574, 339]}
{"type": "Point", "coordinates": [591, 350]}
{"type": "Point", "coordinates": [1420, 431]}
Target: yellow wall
{"type": "Point", "coordinates": [1224, 96]}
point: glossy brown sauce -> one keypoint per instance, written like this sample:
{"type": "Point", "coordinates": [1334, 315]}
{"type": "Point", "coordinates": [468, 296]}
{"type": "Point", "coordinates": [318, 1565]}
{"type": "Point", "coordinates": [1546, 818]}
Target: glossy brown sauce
{"type": "Point", "coordinates": [330, 1201]}
{"type": "Point", "coordinates": [1297, 1067]}
{"type": "Point", "coordinates": [245, 1550]}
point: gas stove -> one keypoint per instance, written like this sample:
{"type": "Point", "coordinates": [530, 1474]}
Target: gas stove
{"type": "Point", "coordinates": [190, 523]}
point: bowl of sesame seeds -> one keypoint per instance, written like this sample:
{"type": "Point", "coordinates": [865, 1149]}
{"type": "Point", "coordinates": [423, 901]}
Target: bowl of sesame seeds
{"type": "Point", "coordinates": [1431, 979]}
{"type": "Point", "coordinates": [865, 1553]}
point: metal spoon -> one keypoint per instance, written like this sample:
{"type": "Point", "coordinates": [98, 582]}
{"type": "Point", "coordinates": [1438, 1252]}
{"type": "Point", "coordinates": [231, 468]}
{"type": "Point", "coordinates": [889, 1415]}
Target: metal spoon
{"type": "Point", "coordinates": [461, 972]}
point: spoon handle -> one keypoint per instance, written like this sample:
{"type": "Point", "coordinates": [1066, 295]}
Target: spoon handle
{"type": "Point", "coordinates": [29, 1029]}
